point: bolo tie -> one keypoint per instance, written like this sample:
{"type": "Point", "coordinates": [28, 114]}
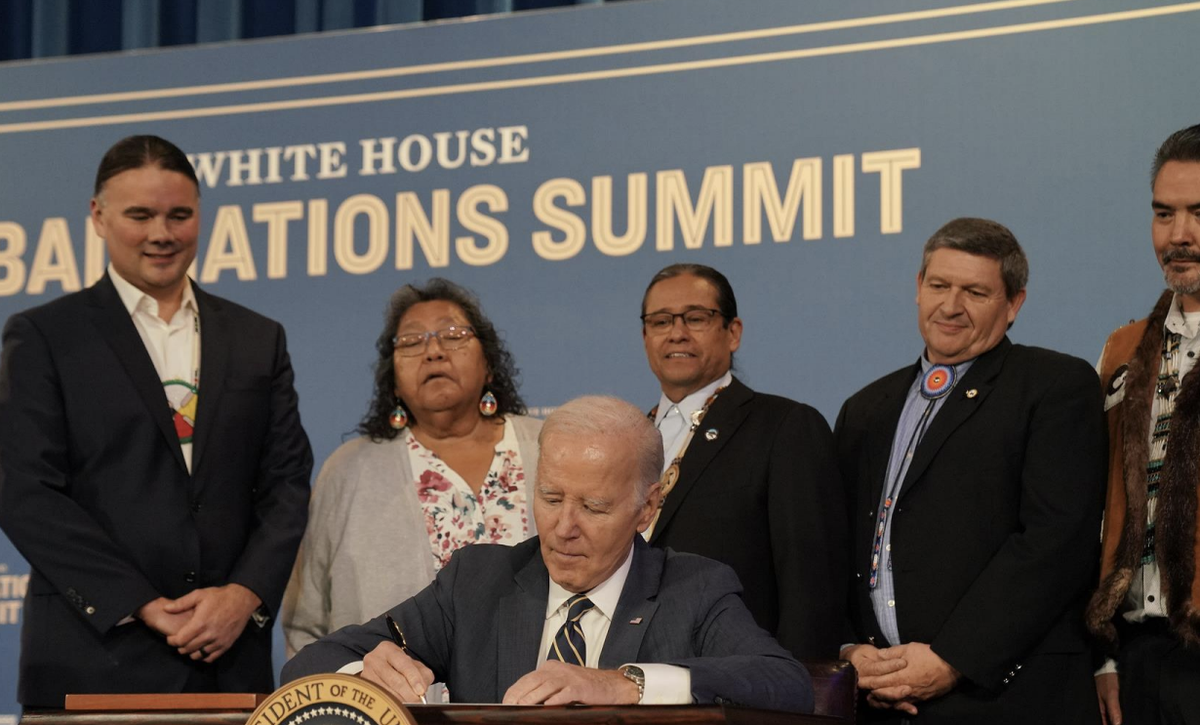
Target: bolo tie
{"type": "Point", "coordinates": [937, 383]}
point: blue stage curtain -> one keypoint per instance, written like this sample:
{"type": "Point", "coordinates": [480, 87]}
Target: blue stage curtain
{"type": "Point", "coordinates": [48, 28]}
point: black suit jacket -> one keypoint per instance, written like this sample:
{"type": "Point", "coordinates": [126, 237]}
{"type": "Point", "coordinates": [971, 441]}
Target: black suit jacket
{"type": "Point", "coordinates": [764, 496]}
{"type": "Point", "coordinates": [478, 626]}
{"type": "Point", "coordinates": [94, 492]}
{"type": "Point", "coordinates": [996, 530]}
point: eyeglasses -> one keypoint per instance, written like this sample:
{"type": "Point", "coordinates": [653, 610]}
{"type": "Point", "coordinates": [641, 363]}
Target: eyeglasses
{"type": "Point", "coordinates": [412, 344]}
{"type": "Point", "coordinates": [697, 320]}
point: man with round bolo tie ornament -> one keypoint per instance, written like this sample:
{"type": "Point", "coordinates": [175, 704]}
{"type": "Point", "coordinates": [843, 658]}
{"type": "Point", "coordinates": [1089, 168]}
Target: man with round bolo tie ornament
{"type": "Point", "coordinates": [974, 479]}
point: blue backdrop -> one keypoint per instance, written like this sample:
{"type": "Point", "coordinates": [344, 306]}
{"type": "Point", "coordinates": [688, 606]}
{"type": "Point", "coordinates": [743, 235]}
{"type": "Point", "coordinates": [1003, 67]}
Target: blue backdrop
{"type": "Point", "coordinates": [554, 161]}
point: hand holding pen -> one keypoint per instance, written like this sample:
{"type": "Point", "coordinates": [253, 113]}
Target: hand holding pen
{"type": "Point", "coordinates": [395, 669]}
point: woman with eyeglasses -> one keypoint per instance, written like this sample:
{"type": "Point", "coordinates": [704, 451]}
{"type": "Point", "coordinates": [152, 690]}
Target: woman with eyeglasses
{"type": "Point", "coordinates": [446, 458]}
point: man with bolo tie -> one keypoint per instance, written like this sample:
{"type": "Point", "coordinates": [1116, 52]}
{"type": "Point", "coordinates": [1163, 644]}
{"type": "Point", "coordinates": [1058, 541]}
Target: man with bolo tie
{"type": "Point", "coordinates": [975, 479]}
{"type": "Point", "coordinates": [153, 469]}
{"type": "Point", "coordinates": [748, 479]}
{"type": "Point", "coordinates": [586, 612]}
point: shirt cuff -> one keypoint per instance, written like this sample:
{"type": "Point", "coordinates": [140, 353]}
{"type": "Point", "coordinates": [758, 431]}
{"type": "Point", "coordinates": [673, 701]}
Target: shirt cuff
{"type": "Point", "coordinates": [352, 668]}
{"type": "Point", "coordinates": [1108, 668]}
{"type": "Point", "coordinates": [666, 685]}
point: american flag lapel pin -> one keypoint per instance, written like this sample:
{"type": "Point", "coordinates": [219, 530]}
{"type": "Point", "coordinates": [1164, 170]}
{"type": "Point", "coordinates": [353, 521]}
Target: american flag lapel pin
{"type": "Point", "coordinates": [636, 620]}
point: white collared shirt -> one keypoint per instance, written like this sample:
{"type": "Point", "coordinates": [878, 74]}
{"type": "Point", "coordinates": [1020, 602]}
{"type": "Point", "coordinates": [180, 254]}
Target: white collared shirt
{"type": "Point", "coordinates": [1144, 598]}
{"type": "Point", "coordinates": [665, 684]}
{"type": "Point", "coordinates": [674, 434]}
{"type": "Point", "coordinates": [172, 346]}
{"type": "Point", "coordinates": [594, 623]}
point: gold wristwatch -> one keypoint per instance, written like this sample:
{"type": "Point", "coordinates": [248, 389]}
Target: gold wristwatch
{"type": "Point", "coordinates": [634, 674]}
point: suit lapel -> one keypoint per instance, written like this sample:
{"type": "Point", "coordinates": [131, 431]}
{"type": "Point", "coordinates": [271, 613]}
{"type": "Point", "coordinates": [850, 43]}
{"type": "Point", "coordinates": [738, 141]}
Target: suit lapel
{"type": "Point", "coordinates": [214, 351]}
{"type": "Point", "coordinates": [635, 608]}
{"type": "Point", "coordinates": [957, 409]}
{"type": "Point", "coordinates": [882, 431]}
{"type": "Point", "coordinates": [110, 317]}
{"type": "Point", "coordinates": [725, 415]}
{"type": "Point", "coordinates": [521, 616]}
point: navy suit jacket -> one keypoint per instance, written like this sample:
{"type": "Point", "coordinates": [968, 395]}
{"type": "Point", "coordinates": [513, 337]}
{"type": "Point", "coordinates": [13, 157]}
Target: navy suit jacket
{"type": "Point", "coordinates": [478, 626]}
{"type": "Point", "coordinates": [95, 494]}
{"type": "Point", "coordinates": [995, 539]}
{"type": "Point", "coordinates": [764, 496]}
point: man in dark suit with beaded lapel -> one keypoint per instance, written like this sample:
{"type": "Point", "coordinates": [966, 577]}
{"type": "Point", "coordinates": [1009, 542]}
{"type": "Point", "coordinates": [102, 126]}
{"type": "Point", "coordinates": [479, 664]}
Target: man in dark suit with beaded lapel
{"type": "Point", "coordinates": [750, 479]}
{"type": "Point", "coordinates": [975, 479]}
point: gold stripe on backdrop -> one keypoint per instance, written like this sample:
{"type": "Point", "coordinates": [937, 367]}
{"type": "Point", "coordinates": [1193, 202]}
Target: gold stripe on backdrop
{"type": "Point", "coordinates": [564, 78]}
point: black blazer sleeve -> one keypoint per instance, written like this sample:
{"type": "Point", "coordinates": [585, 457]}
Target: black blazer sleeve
{"type": "Point", "coordinates": [809, 537]}
{"type": "Point", "coordinates": [281, 488]}
{"type": "Point", "coordinates": [427, 620]}
{"type": "Point", "coordinates": [59, 538]}
{"type": "Point", "coordinates": [1044, 565]}
{"type": "Point", "coordinates": [847, 469]}
{"type": "Point", "coordinates": [737, 661]}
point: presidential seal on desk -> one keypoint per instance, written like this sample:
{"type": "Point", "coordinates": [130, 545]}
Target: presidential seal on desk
{"type": "Point", "coordinates": [331, 700]}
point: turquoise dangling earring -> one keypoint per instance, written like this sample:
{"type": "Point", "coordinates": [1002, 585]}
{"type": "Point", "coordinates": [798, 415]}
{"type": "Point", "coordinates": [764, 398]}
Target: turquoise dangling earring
{"type": "Point", "coordinates": [488, 404]}
{"type": "Point", "coordinates": [399, 417]}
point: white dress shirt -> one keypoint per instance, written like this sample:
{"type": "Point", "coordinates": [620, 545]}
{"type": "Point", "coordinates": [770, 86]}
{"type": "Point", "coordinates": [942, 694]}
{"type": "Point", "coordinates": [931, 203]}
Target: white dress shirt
{"type": "Point", "coordinates": [169, 344]}
{"type": "Point", "coordinates": [674, 419]}
{"type": "Point", "coordinates": [173, 346]}
{"type": "Point", "coordinates": [665, 684]}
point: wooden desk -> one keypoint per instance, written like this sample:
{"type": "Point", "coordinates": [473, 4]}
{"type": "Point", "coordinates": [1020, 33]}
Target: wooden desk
{"type": "Point", "coordinates": [834, 684]}
{"type": "Point", "coordinates": [461, 715]}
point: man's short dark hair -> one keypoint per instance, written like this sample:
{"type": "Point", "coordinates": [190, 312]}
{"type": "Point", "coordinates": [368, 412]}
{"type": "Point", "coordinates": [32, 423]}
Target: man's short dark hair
{"type": "Point", "coordinates": [134, 152]}
{"type": "Point", "coordinates": [726, 301]}
{"type": "Point", "coordinates": [1183, 145]}
{"type": "Point", "coordinates": [986, 238]}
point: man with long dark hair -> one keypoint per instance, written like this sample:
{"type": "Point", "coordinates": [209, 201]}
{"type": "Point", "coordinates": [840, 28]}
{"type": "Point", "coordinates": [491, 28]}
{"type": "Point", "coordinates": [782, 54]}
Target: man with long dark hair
{"type": "Point", "coordinates": [153, 469]}
{"type": "Point", "coordinates": [1144, 614]}
{"type": "Point", "coordinates": [749, 479]}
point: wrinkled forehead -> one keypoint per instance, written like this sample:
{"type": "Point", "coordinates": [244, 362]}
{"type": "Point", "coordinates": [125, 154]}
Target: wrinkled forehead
{"type": "Point", "coordinates": [1177, 182]}
{"type": "Point", "coordinates": [432, 314]}
{"type": "Point", "coordinates": [560, 446]}
{"type": "Point", "coordinates": [962, 267]}
{"type": "Point", "coordinates": [682, 290]}
{"type": "Point", "coordinates": [572, 457]}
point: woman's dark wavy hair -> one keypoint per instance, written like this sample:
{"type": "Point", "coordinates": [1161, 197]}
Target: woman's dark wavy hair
{"type": "Point", "coordinates": [499, 361]}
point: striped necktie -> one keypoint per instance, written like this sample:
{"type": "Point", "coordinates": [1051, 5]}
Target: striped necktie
{"type": "Point", "coordinates": [568, 645]}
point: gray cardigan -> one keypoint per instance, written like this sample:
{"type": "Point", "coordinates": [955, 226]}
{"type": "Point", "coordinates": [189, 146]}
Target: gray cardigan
{"type": "Point", "coordinates": [366, 548]}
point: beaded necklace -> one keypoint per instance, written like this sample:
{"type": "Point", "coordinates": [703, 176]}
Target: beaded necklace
{"type": "Point", "coordinates": [1166, 390]}
{"type": "Point", "coordinates": [671, 476]}
{"type": "Point", "coordinates": [937, 383]}
{"type": "Point", "coordinates": [184, 416]}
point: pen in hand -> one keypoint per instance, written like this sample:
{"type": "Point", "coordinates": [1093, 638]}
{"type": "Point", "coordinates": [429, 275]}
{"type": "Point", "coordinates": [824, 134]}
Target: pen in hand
{"type": "Point", "coordinates": [398, 638]}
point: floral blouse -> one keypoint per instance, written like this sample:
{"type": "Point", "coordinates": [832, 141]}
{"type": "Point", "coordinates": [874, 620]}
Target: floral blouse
{"type": "Point", "coordinates": [454, 515]}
